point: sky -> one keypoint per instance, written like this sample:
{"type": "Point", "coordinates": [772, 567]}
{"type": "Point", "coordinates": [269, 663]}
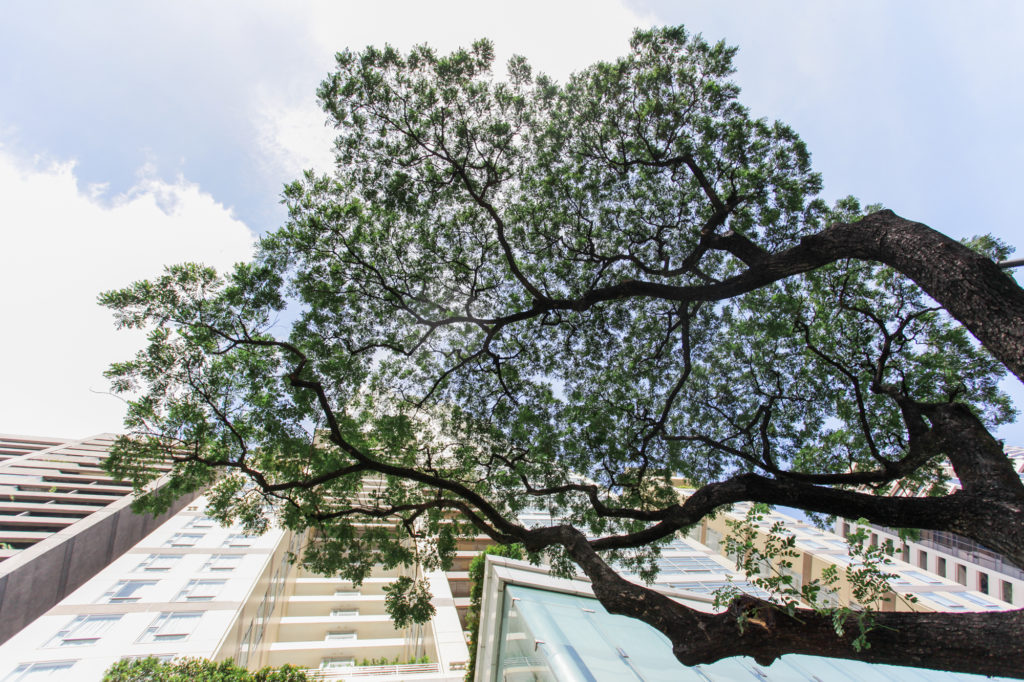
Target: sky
{"type": "Point", "coordinates": [138, 134]}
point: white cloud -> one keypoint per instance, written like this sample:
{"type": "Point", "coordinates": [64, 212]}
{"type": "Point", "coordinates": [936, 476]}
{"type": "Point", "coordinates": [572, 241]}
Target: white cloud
{"type": "Point", "coordinates": [62, 245]}
{"type": "Point", "coordinates": [557, 38]}
{"type": "Point", "coordinates": [292, 137]}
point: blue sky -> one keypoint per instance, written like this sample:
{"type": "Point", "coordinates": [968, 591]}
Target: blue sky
{"type": "Point", "coordinates": [134, 134]}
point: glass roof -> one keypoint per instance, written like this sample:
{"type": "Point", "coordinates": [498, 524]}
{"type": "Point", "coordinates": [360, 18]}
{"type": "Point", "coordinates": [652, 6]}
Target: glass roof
{"type": "Point", "coordinates": [580, 641]}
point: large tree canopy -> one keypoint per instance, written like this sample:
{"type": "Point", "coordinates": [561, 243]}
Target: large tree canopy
{"type": "Point", "coordinates": [516, 293]}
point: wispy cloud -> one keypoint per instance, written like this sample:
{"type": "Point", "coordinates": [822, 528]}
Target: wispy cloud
{"type": "Point", "coordinates": [63, 243]}
{"type": "Point", "coordinates": [558, 38]}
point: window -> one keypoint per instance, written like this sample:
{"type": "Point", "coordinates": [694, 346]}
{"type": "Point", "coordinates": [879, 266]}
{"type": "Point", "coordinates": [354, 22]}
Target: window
{"type": "Point", "coordinates": [1007, 592]}
{"type": "Point", "coordinates": [828, 598]}
{"type": "Point", "coordinates": [344, 612]}
{"type": "Point", "coordinates": [159, 562]}
{"type": "Point", "coordinates": [846, 529]}
{"type": "Point", "coordinates": [29, 672]}
{"type": "Point", "coordinates": [945, 602]}
{"type": "Point", "coordinates": [83, 630]}
{"type": "Point", "coordinates": [690, 564]}
{"type": "Point", "coordinates": [340, 635]}
{"type": "Point", "coordinates": [978, 601]}
{"type": "Point", "coordinates": [787, 571]}
{"type": "Point", "coordinates": [222, 562]}
{"type": "Point", "coordinates": [336, 663]}
{"type": "Point", "coordinates": [202, 522]}
{"type": "Point", "coordinates": [903, 579]}
{"type": "Point", "coordinates": [940, 566]}
{"type": "Point", "coordinates": [245, 648]}
{"type": "Point", "coordinates": [170, 627]}
{"type": "Point", "coordinates": [983, 582]}
{"type": "Point", "coordinates": [200, 590]}
{"type": "Point", "coordinates": [874, 539]}
{"type": "Point", "coordinates": [922, 559]}
{"type": "Point", "coordinates": [961, 574]}
{"type": "Point", "coordinates": [346, 593]}
{"type": "Point", "coordinates": [125, 591]}
{"type": "Point", "coordinates": [238, 540]}
{"type": "Point", "coordinates": [184, 539]}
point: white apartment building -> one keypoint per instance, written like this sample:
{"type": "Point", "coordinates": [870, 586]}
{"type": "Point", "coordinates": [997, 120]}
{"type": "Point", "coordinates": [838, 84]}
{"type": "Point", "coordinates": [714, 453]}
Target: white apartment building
{"type": "Point", "coordinates": [818, 549]}
{"type": "Point", "coordinates": [192, 588]}
{"type": "Point", "coordinates": [62, 519]}
{"type": "Point", "coordinates": [954, 558]}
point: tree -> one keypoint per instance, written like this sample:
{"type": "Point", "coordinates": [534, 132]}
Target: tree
{"type": "Point", "coordinates": [515, 293]}
{"type": "Point", "coordinates": [197, 670]}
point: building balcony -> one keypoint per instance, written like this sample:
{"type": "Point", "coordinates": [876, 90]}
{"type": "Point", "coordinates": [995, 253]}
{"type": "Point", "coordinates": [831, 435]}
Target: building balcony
{"type": "Point", "coordinates": [368, 673]}
{"type": "Point", "coordinates": [318, 628]}
{"type": "Point", "coordinates": [311, 654]}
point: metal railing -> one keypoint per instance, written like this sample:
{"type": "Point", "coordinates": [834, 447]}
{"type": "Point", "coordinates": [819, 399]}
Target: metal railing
{"type": "Point", "coordinates": [357, 671]}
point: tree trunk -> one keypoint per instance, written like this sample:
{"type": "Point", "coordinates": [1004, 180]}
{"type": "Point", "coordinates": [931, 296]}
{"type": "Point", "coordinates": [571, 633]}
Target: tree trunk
{"type": "Point", "coordinates": [990, 643]}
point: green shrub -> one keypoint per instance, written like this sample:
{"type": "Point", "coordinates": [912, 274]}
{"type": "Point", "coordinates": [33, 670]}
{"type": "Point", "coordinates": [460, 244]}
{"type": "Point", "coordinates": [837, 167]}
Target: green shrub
{"type": "Point", "coordinates": [197, 670]}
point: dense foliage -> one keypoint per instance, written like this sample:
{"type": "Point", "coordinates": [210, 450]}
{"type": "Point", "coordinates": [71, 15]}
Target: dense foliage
{"type": "Point", "coordinates": [197, 670]}
{"type": "Point", "coordinates": [515, 293]}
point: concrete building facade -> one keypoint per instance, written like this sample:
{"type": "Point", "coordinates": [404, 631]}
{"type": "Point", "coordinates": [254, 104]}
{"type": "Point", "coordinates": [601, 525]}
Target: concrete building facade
{"type": "Point", "coordinates": [62, 520]}
{"type": "Point", "coordinates": [951, 557]}
{"type": "Point", "coordinates": [191, 588]}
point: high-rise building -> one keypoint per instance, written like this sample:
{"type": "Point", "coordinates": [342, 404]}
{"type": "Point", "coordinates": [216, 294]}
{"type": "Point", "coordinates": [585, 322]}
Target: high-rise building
{"type": "Point", "coordinates": [62, 519]}
{"type": "Point", "coordinates": [817, 549]}
{"type": "Point", "coordinates": [191, 588]}
{"type": "Point", "coordinates": [951, 557]}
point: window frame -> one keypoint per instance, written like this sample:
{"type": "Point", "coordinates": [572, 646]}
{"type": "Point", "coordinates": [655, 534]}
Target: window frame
{"type": "Point", "coordinates": [187, 593]}
{"type": "Point", "coordinates": [65, 636]}
{"type": "Point", "coordinates": [202, 521]}
{"type": "Point", "coordinates": [176, 539]}
{"type": "Point", "coordinates": [147, 563]}
{"type": "Point", "coordinates": [341, 636]}
{"type": "Point", "coordinates": [155, 632]}
{"type": "Point", "coordinates": [237, 539]}
{"type": "Point", "coordinates": [24, 669]}
{"type": "Point", "coordinates": [210, 567]}
{"type": "Point", "coordinates": [109, 597]}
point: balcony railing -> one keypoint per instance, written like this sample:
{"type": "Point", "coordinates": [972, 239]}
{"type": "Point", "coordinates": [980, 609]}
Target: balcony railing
{"type": "Point", "coordinates": [364, 671]}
